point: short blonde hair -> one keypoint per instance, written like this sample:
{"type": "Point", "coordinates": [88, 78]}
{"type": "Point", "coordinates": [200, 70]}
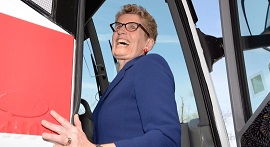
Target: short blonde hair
{"type": "Point", "coordinates": [148, 21]}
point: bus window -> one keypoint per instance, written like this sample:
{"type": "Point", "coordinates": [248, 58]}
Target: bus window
{"type": "Point", "coordinates": [254, 23]}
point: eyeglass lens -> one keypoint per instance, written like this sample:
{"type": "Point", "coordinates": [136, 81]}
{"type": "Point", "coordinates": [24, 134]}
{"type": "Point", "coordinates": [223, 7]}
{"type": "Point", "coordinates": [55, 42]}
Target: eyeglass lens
{"type": "Point", "coordinates": [129, 26]}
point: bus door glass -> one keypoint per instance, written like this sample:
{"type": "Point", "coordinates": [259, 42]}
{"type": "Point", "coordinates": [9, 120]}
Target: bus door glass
{"type": "Point", "coordinates": [255, 43]}
{"type": "Point", "coordinates": [254, 25]}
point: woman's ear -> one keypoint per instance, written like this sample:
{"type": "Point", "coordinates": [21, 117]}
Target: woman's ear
{"type": "Point", "coordinates": [150, 44]}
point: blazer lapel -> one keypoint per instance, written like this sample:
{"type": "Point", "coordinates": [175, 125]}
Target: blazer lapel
{"type": "Point", "coordinates": [113, 84]}
{"type": "Point", "coordinates": [118, 78]}
{"type": "Point", "coordinates": [115, 81]}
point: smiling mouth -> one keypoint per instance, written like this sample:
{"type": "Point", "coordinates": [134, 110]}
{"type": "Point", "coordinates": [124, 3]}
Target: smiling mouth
{"type": "Point", "coordinates": [122, 42]}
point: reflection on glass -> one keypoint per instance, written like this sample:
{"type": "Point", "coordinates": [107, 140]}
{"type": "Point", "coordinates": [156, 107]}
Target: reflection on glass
{"type": "Point", "coordinates": [254, 22]}
{"type": "Point", "coordinates": [257, 84]}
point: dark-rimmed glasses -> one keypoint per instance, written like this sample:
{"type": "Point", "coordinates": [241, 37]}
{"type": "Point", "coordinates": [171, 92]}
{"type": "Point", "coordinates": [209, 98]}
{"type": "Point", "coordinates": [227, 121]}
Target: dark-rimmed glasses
{"type": "Point", "coordinates": [130, 26]}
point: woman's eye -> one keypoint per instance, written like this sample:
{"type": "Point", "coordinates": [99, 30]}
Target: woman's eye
{"type": "Point", "coordinates": [117, 27]}
{"type": "Point", "coordinates": [133, 27]}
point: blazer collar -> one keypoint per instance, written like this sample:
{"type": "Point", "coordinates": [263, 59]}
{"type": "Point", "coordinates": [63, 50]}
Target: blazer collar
{"type": "Point", "coordinates": [119, 77]}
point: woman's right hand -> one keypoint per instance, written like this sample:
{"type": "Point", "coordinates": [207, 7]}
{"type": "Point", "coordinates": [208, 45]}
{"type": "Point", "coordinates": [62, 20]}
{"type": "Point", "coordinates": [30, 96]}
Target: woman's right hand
{"type": "Point", "coordinates": [67, 134]}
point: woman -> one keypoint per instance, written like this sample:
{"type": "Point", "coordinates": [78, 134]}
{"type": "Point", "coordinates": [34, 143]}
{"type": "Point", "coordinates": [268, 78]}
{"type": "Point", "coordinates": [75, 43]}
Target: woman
{"type": "Point", "coordinates": [138, 109]}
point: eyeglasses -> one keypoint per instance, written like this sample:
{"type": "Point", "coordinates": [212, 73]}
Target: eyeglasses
{"type": "Point", "coordinates": [130, 26]}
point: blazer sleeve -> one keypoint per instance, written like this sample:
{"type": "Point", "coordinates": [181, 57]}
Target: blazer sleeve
{"type": "Point", "coordinates": [154, 88]}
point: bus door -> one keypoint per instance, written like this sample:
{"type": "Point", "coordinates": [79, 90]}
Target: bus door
{"type": "Point", "coordinates": [245, 26]}
{"type": "Point", "coordinates": [179, 43]}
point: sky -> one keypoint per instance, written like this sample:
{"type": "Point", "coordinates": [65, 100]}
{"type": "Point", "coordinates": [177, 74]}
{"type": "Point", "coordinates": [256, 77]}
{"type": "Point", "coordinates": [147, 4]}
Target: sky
{"type": "Point", "coordinates": [256, 61]}
{"type": "Point", "coordinates": [209, 23]}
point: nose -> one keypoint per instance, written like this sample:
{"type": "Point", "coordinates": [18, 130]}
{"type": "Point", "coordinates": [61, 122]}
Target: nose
{"type": "Point", "coordinates": [122, 30]}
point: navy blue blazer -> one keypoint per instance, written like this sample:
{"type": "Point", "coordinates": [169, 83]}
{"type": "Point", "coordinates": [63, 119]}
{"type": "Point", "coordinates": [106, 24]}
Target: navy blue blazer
{"type": "Point", "coordinates": [138, 109]}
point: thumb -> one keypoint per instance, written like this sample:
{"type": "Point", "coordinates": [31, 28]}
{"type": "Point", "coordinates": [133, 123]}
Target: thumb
{"type": "Point", "coordinates": [77, 122]}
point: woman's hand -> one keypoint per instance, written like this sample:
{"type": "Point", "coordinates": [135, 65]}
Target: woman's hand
{"type": "Point", "coordinates": [67, 134]}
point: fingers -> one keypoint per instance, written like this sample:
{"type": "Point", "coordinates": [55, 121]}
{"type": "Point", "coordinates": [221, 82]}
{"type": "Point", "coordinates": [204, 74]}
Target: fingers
{"type": "Point", "coordinates": [56, 139]}
{"type": "Point", "coordinates": [77, 122]}
{"type": "Point", "coordinates": [53, 127]}
{"type": "Point", "coordinates": [65, 123]}
{"type": "Point", "coordinates": [59, 139]}
{"type": "Point", "coordinates": [64, 130]}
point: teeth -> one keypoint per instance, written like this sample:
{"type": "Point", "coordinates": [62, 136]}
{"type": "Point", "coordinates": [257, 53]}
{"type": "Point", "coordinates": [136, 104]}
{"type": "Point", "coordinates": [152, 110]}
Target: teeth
{"type": "Point", "coordinates": [122, 42]}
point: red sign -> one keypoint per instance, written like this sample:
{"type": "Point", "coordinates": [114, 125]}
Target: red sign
{"type": "Point", "coordinates": [36, 66]}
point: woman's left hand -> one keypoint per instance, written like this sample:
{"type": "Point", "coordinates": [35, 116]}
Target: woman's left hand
{"type": "Point", "coordinates": [67, 134]}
